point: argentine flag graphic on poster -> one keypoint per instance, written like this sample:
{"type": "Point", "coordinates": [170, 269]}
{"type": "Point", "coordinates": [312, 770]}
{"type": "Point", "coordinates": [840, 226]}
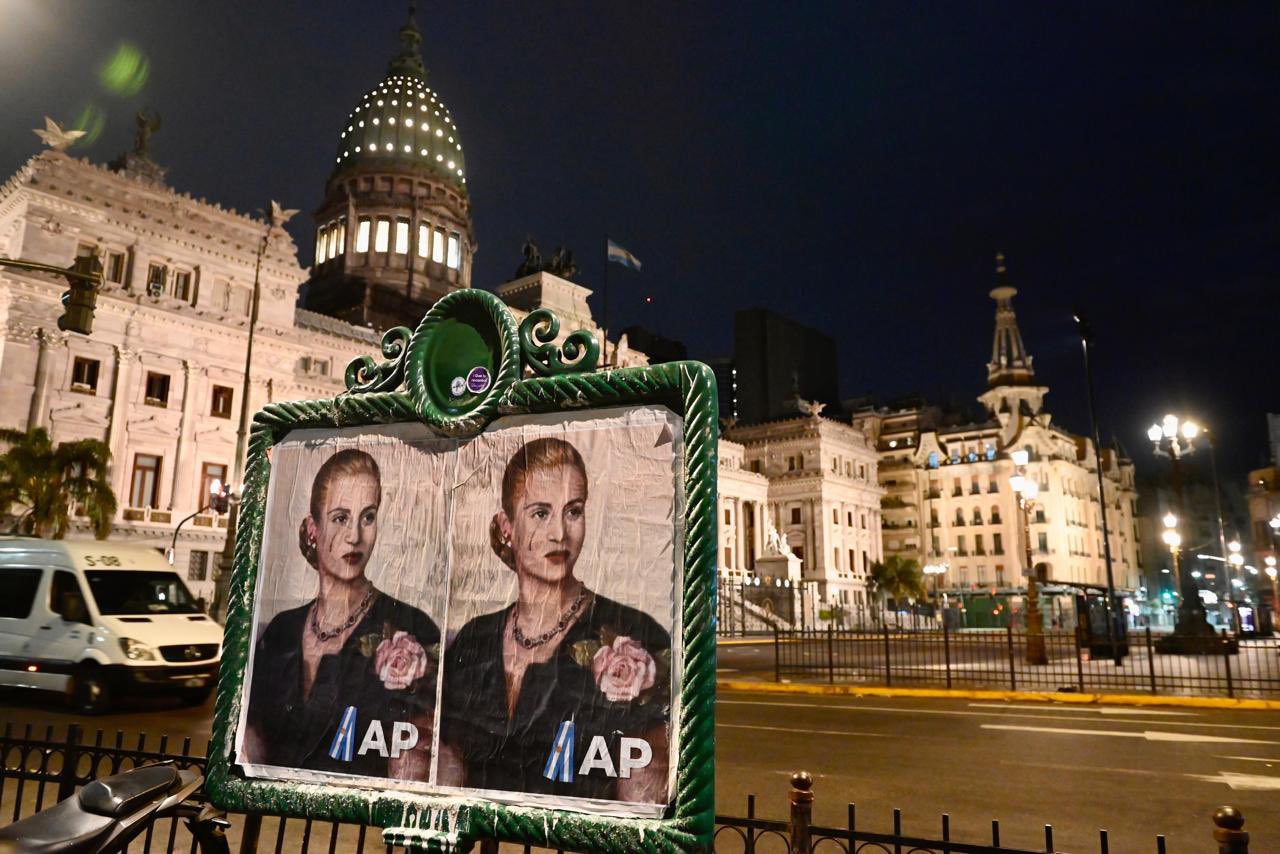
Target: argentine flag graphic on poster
{"type": "Point", "coordinates": [344, 738]}
{"type": "Point", "coordinates": [560, 762]}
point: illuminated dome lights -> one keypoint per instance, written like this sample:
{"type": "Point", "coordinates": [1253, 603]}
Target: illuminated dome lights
{"type": "Point", "coordinates": [390, 122]}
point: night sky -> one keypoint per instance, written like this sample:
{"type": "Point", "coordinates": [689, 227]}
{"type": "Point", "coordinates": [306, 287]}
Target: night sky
{"type": "Point", "coordinates": [855, 166]}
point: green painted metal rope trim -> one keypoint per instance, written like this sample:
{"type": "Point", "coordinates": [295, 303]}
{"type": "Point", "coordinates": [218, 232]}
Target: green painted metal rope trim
{"type": "Point", "coordinates": [364, 374]}
{"type": "Point", "coordinates": [508, 371]}
{"type": "Point", "coordinates": [538, 347]}
{"type": "Point", "coordinates": [688, 388]}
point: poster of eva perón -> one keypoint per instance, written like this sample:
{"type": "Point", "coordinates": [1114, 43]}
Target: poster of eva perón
{"type": "Point", "coordinates": [491, 616]}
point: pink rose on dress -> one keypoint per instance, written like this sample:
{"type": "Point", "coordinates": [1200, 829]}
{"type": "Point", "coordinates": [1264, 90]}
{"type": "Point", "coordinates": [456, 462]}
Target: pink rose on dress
{"type": "Point", "coordinates": [623, 670]}
{"type": "Point", "coordinates": [400, 661]}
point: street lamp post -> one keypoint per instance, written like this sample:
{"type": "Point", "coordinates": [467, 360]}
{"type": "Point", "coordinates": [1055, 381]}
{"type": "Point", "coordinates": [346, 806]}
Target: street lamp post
{"type": "Point", "coordinates": [1222, 534]}
{"type": "Point", "coordinates": [276, 218]}
{"type": "Point", "coordinates": [1027, 488]}
{"type": "Point", "coordinates": [1086, 339]}
{"type": "Point", "coordinates": [1275, 594]}
{"type": "Point", "coordinates": [1235, 581]}
{"type": "Point", "coordinates": [219, 496]}
{"type": "Point", "coordinates": [935, 570]}
{"type": "Point", "coordinates": [1192, 634]}
{"type": "Point", "coordinates": [1173, 540]}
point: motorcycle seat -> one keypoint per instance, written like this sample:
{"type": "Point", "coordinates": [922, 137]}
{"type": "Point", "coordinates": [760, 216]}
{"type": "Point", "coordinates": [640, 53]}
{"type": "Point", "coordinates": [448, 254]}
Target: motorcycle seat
{"type": "Point", "coordinates": [121, 794]}
{"type": "Point", "coordinates": [63, 828]}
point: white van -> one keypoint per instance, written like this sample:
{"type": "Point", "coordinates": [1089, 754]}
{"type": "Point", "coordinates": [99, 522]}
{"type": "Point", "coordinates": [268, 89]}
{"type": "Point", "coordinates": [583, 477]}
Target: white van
{"type": "Point", "coordinates": [96, 620]}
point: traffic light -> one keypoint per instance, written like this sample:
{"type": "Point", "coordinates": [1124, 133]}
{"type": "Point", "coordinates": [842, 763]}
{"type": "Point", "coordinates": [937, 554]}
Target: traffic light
{"type": "Point", "coordinates": [80, 301]}
{"type": "Point", "coordinates": [219, 496]}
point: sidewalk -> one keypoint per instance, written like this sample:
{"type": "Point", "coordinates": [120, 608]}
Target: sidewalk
{"type": "Point", "coordinates": [822, 688]}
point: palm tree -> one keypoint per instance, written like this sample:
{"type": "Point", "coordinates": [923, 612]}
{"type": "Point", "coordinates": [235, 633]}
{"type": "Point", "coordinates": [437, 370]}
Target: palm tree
{"type": "Point", "coordinates": [47, 481]}
{"type": "Point", "coordinates": [897, 577]}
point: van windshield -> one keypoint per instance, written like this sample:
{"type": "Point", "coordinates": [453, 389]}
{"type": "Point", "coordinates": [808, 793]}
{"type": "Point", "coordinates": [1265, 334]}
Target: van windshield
{"type": "Point", "coordinates": [128, 592]}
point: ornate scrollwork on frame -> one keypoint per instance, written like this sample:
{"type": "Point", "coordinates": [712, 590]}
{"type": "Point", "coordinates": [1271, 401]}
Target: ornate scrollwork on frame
{"type": "Point", "coordinates": [365, 375]}
{"type": "Point", "coordinates": [539, 352]}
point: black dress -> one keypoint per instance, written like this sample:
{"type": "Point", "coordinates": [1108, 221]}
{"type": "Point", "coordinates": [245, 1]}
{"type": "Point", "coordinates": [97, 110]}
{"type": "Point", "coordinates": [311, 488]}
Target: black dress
{"type": "Point", "coordinates": [298, 730]}
{"type": "Point", "coordinates": [513, 754]}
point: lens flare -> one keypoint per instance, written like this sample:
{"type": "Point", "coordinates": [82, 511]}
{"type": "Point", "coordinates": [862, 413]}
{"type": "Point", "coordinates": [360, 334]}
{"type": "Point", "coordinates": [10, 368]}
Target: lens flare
{"type": "Point", "coordinates": [93, 121]}
{"type": "Point", "coordinates": [125, 72]}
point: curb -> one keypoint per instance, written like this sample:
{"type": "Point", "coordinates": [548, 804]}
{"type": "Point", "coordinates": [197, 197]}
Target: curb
{"type": "Point", "coordinates": [967, 694]}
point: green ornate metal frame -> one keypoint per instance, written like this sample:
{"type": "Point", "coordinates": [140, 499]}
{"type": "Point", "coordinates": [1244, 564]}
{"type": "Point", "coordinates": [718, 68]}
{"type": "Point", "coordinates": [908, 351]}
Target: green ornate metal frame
{"type": "Point", "coordinates": [529, 374]}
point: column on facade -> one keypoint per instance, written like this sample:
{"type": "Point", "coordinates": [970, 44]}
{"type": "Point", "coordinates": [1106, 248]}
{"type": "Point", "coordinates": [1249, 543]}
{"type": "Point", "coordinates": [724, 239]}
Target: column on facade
{"type": "Point", "coordinates": [6, 298]}
{"type": "Point", "coordinates": [121, 393]}
{"type": "Point", "coordinates": [137, 280]}
{"type": "Point", "coordinates": [740, 535]}
{"type": "Point", "coordinates": [45, 342]}
{"type": "Point", "coordinates": [180, 495]}
{"type": "Point", "coordinates": [758, 510]}
{"type": "Point", "coordinates": [812, 549]}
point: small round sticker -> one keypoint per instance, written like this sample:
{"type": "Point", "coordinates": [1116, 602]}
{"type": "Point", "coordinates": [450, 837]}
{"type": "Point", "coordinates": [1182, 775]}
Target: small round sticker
{"type": "Point", "coordinates": [458, 387]}
{"type": "Point", "coordinates": [478, 380]}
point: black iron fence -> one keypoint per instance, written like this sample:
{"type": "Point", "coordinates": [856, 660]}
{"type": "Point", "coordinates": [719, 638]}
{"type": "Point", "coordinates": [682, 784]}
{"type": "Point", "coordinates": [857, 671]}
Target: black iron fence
{"type": "Point", "coordinates": [998, 659]}
{"type": "Point", "coordinates": [37, 770]}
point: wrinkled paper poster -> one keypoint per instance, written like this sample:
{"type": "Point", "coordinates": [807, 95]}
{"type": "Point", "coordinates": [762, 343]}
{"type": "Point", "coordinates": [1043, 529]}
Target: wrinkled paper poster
{"type": "Point", "coordinates": [490, 617]}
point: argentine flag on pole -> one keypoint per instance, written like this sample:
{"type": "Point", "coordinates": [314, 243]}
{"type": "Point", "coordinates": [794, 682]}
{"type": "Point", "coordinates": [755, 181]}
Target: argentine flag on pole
{"type": "Point", "coordinates": [618, 255]}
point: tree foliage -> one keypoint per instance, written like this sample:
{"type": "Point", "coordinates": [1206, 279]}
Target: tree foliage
{"type": "Point", "coordinates": [898, 577]}
{"type": "Point", "coordinates": [41, 482]}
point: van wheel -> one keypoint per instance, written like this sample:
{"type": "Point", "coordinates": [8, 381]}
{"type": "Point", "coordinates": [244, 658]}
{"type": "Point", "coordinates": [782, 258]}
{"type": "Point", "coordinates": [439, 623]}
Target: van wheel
{"type": "Point", "coordinates": [196, 696]}
{"type": "Point", "coordinates": [89, 691]}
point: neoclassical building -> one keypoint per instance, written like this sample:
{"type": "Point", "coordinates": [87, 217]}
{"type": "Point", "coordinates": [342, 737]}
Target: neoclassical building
{"type": "Point", "coordinates": [162, 378]}
{"type": "Point", "coordinates": [948, 496]}
{"type": "Point", "coordinates": [822, 494]}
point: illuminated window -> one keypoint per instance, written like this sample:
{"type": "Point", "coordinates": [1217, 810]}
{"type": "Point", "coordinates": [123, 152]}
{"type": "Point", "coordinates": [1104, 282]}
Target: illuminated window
{"type": "Point", "coordinates": [362, 235]}
{"type": "Point", "coordinates": [144, 488]}
{"type": "Point", "coordinates": [402, 236]}
{"type": "Point", "coordinates": [382, 235]}
{"type": "Point", "coordinates": [319, 245]}
{"type": "Point", "coordinates": [424, 240]}
{"type": "Point", "coordinates": [437, 246]}
{"type": "Point", "coordinates": [454, 251]}
{"type": "Point", "coordinates": [340, 243]}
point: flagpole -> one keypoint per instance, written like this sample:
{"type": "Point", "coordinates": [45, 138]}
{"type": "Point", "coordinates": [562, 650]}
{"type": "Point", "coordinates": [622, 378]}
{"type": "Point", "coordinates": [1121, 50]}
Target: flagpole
{"type": "Point", "coordinates": [606, 301]}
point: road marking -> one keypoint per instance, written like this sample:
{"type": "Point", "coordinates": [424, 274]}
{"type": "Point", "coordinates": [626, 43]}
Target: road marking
{"type": "Point", "coordinates": [852, 708]}
{"type": "Point", "coordinates": [1149, 735]}
{"type": "Point", "coordinates": [1251, 759]}
{"type": "Point", "coordinates": [1088, 769]}
{"type": "Point", "coordinates": [809, 731]}
{"type": "Point", "coordinates": [1097, 710]}
{"type": "Point", "coordinates": [1240, 782]}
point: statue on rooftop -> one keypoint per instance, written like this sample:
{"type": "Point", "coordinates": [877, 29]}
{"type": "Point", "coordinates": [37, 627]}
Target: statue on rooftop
{"type": "Point", "coordinates": [532, 259]}
{"type": "Point", "coordinates": [148, 122]}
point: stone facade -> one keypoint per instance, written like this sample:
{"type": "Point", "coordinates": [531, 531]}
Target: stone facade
{"type": "Point", "coordinates": [949, 501]}
{"type": "Point", "coordinates": [822, 495]}
{"type": "Point", "coordinates": [160, 379]}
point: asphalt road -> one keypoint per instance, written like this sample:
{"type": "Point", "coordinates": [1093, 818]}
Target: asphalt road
{"type": "Point", "coordinates": [1136, 772]}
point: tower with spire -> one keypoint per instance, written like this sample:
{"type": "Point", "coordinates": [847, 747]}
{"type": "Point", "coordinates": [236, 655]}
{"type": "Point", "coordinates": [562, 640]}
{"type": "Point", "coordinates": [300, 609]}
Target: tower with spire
{"type": "Point", "coordinates": [394, 232]}
{"type": "Point", "coordinates": [1011, 377]}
